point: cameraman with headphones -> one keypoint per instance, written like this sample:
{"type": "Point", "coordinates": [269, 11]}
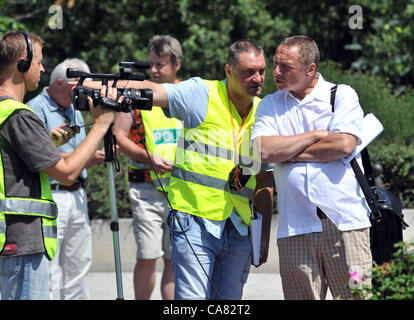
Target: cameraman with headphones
{"type": "Point", "coordinates": [74, 257]}
{"type": "Point", "coordinates": [28, 213]}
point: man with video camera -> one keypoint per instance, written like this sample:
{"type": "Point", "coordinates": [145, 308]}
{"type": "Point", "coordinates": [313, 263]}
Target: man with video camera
{"type": "Point", "coordinates": [149, 205]}
{"type": "Point", "coordinates": [28, 213]}
{"type": "Point", "coordinates": [74, 257]}
{"type": "Point", "coordinates": [211, 248]}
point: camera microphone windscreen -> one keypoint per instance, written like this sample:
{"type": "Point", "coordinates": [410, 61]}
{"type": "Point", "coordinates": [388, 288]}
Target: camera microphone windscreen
{"type": "Point", "coordinates": [137, 76]}
{"type": "Point", "coordinates": [142, 64]}
{"type": "Point", "coordinates": [74, 73]}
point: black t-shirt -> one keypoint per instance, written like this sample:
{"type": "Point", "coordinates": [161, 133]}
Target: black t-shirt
{"type": "Point", "coordinates": [26, 149]}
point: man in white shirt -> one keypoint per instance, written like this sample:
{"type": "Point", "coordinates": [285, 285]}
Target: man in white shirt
{"type": "Point", "coordinates": [323, 232]}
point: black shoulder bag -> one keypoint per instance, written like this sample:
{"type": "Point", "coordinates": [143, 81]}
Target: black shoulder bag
{"type": "Point", "coordinates": [387, 219]}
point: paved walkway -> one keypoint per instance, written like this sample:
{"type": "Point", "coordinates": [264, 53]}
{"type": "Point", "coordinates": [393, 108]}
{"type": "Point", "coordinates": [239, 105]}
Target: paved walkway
{"type": "Point", "coordinates": [259, 286]}
{"type": "Point", "coordinates": [263, 283]}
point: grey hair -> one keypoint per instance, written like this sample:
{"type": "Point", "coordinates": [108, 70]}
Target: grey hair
{"type": "Point", "coordinates": [164, 45]}
{"type": "Point", "coordinates": [308, 49]}
{"type": "Point", "coordinates": [60, 70]}
{"type": "Point", "coordinates": [238, 47]}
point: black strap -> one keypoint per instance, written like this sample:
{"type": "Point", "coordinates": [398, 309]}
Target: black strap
{"type": "Point", "coordinates": [333, 93]}
{"type": "Point", "coordinates": [110, 148]}
{"type": "Point", "coordinates": [365, 180]}
{"type": "Point", "coordinates": [366, 189]}
{"type": "Point", "coordinates": [366, 161]}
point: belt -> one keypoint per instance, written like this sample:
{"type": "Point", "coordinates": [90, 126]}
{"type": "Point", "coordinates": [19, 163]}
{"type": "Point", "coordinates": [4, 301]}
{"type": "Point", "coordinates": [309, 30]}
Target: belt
{"type": "Point", "coordinates": [136, 175]}
{"type": "Point", "coordinates": [320, 214]}
{"type": "Point", "coordinates": [72, 187]}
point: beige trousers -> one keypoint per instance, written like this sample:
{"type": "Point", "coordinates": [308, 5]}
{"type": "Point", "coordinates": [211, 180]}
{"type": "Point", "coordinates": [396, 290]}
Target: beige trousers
{"type": "Point", "coordinates": [310, 263]}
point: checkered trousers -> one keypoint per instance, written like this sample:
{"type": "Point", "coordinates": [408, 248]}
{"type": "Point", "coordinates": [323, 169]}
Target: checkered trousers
{"type": "Point", "coordinates": [310, 263]}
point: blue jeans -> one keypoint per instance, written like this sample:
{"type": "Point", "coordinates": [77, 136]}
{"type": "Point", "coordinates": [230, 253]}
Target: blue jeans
{"type": "Point", "coordinates": [24, 277]}
{"type": "Point", "coordinates": [226, 260]}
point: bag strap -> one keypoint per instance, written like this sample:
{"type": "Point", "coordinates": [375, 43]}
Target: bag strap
{"type": "Point", "coordinates": [368, 192]}
{"type": "Point", "coordinates": [363, 181]}
{"type": "Point", "coordinates": [366, 161]}
{"type": "Point", "coordinates": [333, 94]}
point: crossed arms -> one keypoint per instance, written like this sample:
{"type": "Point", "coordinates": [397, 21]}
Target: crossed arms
{"type": "Point", "coordinates": [311, 146]}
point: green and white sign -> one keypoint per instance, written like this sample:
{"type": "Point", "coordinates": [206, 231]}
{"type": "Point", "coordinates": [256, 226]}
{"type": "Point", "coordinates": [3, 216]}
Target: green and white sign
{"type": "Point", "coordinates": [165, 136]}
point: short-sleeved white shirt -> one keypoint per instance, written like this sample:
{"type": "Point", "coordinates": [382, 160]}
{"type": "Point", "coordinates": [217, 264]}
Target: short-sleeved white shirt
{"type": "Point", "coordinates": [302, 187]}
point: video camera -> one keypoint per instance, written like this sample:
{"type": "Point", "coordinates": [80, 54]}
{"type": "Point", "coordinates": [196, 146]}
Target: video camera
{"type": "Point", "coordinates": [133, 98]}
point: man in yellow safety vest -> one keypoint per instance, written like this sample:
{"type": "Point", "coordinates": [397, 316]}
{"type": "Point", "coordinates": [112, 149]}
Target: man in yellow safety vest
{"type": "Point", "coordinates": [28, 212]}
{"type": "Point", "coordinates": [215, 176]}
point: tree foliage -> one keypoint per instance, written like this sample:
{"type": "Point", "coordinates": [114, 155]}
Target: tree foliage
{"type": "Point", "coordinates": [105, 32]}
{"type": "Point", "coordinates": [387, 47]}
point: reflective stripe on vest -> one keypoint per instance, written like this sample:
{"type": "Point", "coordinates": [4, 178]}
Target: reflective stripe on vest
{"type": "Point", "coordinates": [209, 181]}
{"type": "Point", "coordinates": [138, 165]}
{"type": "Point", "coordinates": [216, 152]}
{"type": "Point", "coordinates": [45, 207]}
{"type": "Point", "coordinates": [49, 231]}
{"type": "Point", "coordinates": [205, 157]}
{"type": "Point", "coordinates": [40, 208]}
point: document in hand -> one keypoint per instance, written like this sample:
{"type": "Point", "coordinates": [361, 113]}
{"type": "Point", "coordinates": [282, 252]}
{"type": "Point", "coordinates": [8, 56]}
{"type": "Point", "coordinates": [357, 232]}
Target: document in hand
{"type": "Point", "coordinates": [256, 234]}
{"type": "Point", "coordinates": [371, 128]}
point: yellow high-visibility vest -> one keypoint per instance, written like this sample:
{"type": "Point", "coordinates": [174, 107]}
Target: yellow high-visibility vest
{"type": "Point", "coordinates": [43, 207]}
{"type": "Point", "coordinates": [206, 155]}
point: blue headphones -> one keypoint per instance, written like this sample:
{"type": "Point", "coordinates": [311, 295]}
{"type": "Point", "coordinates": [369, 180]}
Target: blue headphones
{"type": "Point", "coordinates": [24, 65]}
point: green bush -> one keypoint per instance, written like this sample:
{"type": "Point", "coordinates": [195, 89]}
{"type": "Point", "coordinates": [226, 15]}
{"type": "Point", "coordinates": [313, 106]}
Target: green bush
{"type": "Point", "coordinates": [397, 162]}
{"type": "Point", "coordinates": [395, 112]}
{"type": "Point", "coordinates": [393, 280]}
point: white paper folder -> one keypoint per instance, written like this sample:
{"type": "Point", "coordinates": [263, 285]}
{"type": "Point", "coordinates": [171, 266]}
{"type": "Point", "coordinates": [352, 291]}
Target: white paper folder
{"type": "Point", "coordinates": [256, 235]}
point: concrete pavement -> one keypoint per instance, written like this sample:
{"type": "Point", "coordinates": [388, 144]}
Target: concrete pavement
{"type": "Point", "coordinates": [263, 283]}
{"type": "Point", "coordinates": [103, 286]}
{"type": "Point", "coordinates": [103, 252]}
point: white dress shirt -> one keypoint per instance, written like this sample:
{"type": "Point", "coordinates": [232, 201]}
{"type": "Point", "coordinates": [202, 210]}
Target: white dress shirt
{"type": "Point", "coordinates": [302, 187]}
